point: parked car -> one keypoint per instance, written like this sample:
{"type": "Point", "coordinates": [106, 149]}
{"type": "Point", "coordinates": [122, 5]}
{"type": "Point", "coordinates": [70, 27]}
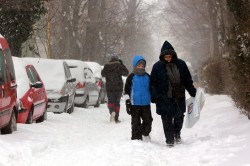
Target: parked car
{"type": "Point", "coordinates": [87, 92]}
{"type": "Point", "coordinates": [58, 82]}
{"type": "Point", "coordinates": [8, 109]}
{"type": "Point", "coordinates": [99, 80]}
{"type": "Point", "coordinates": [31, 95]}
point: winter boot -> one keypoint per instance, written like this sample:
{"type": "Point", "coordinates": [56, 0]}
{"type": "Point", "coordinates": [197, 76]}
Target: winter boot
{"type": "Point", "coordinates": [170, 145]}
{"type": "Point", "coordinates": [146, 138]}
{"type": "Point", "coordinates": [136, 138]}
{"type": "Point", "coordinates": [117, 121]}
{"type": "Point", "coordinates": [177, 139]}
{"type": "Point", "coordinates": [112, 117]}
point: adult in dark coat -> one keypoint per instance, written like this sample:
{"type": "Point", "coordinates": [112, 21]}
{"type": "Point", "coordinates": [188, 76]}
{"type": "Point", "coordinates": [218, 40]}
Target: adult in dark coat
{"type": "Point", "coordinates": [170, 77]}
{"type": "Point", "coordinates": [113, 72]}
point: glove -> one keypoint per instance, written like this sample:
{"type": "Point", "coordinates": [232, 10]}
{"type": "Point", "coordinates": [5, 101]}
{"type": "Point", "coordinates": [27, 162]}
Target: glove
{"type": "Point", "coordinates": [128, 105]}
{"type": "Point", "coordinates": [120, 61]}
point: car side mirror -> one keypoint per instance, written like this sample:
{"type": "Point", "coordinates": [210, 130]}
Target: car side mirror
{"type": "Point", "coordinates": [38, 84]}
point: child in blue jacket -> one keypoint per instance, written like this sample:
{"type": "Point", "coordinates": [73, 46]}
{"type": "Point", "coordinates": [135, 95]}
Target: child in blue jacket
{"type": "Point", "coordinates": [138, 97]}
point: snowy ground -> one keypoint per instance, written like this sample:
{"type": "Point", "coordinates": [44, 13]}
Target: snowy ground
{"type": "Point", "coordinates": [86, 137]}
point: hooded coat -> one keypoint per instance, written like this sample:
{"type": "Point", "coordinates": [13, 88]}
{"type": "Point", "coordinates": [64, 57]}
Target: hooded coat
{"type": "Point", "coordinates": [113, 72]}
{"type": "Point", "coordinates": [160, 84]}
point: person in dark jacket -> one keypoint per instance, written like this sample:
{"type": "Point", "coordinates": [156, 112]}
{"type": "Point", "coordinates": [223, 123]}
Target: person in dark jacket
{"type": "Point", "coordinates": [138, 97]}
{"type": "Point", "coordinates": [170, 77]}
{"type": "Point", "coordinates": [113, 72]}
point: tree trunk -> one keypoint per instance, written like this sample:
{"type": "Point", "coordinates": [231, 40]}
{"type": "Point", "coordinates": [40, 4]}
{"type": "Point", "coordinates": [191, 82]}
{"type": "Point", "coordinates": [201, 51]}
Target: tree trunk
{"type": "Point", "coordinates": [213, 13]}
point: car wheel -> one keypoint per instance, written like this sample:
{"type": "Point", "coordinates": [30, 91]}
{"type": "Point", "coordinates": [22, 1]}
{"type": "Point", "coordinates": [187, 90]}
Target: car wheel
{"type": "Point", "coordinates": [103, 101]}
{"type": "Point", "coordinates": [11, 126]}
{"type": "Point", "coordinates": [66, 105]}
{"type": "Point", "coordinates": [71, 109]}
{"type": "Point", "coordinates": [42, 118]}
{"type": "Point", "coordinates": [30, 119]}
{"type": "Point", "coordinates": [98, 102]}
{"type": "Point", "coordinates": [86, 102]}
{"type": "Point", "coordinates": [45, 116]}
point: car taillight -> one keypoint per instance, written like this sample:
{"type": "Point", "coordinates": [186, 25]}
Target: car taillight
{"type": "Point", "coordinates": [80, 85]}
{"type": "Point", "coordinates": [99, 83]}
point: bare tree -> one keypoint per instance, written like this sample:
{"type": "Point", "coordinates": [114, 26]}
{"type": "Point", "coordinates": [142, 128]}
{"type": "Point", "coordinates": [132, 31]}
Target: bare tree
{"type": "Point", "coordinates": [67, 30]}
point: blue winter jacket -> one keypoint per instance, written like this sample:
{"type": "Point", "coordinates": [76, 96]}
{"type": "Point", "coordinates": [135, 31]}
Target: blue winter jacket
{"type": "Point", "coordinates": [138, 86]}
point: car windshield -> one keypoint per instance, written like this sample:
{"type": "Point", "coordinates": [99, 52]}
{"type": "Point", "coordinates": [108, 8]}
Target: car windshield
{"type": "Point", "coordinates": [77, 72]}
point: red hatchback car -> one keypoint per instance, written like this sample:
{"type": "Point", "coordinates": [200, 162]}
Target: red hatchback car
{"type": "Point", "coordinates": [31, 94]}
{"type": "Point", "coordinates": [8, 111]}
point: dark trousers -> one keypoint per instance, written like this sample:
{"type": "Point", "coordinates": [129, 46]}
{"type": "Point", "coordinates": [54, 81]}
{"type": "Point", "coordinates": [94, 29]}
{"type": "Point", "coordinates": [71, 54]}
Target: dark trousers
{"type": "Point", "coordinates": [172, 127]}
{"type": "Point", "coordinates": [141, 121]}
{"type": "Point", "coordinates": [114, 98]}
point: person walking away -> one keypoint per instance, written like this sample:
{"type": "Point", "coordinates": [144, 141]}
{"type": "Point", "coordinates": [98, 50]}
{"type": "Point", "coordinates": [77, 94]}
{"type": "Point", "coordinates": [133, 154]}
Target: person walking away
{"type": "Point", "coordinates": [138, 97]}
{"type": "Point", "coordinates": [170, 77]}
{"type": "Point", "coordinates": [113, 72]}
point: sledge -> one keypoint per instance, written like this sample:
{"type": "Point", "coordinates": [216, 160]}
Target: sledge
{"type": "Point", "coordinates": [194, 107]}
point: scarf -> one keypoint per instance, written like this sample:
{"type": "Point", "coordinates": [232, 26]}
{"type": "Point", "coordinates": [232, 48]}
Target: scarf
{"type": "Point", "coordinates": [176, 89]}
{"type": "Point", "coordinates": [139, 71]}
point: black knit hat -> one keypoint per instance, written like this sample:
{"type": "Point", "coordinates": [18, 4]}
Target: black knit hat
{"type": "Point", "coordinates": [114, 58]}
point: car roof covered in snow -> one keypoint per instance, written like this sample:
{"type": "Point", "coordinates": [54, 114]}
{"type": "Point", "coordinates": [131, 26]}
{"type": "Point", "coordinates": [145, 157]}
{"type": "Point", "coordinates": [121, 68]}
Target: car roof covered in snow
{"type": "Point", "coordinates": [22, 79]}
{"type": "Point", "coordinates": [77, 69]}
{"type": "Point", "coordinates": [51, 72]}
{"type": "Point", "coordinates": [96, 68]}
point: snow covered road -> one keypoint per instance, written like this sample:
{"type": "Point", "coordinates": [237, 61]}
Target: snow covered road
{"type": "Point", "coordinates": [86, 137]}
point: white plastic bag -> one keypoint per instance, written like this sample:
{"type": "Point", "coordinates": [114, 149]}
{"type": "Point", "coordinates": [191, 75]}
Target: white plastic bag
{"type": "Point", "coordinates": [194, 107]}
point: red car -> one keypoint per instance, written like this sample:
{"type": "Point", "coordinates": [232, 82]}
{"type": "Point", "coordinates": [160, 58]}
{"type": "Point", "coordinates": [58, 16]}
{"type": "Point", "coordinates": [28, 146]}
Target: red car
{"type": "Point", "coordinates": [8, 111]}
{"type": "Point", "coordinates": [31, 94]}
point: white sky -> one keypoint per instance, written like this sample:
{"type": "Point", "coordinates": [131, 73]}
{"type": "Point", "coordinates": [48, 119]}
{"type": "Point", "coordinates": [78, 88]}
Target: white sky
{"type": "Point", "coordinates": [86, 137]}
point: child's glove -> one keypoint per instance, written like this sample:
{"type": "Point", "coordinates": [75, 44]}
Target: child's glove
{"type": "Point", "coordinates": [128, 105]}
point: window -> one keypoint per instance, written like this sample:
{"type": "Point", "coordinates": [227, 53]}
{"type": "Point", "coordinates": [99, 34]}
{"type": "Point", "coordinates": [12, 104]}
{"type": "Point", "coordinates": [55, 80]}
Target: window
{"type": "Point", "coordinates": [36, 78]}
{"type": "Point", "coordinates": [67, 71]}
{"type": "Point", "coordinates": [3, 72]}
{"type": "Point", "coordinates": [88, 74]}
{"type": "Point", "coordinates": [32, 80]}
{"type": "Point", "coordinates": [10, 64]}
{"type": "Point", "coordinates": [32, 75]}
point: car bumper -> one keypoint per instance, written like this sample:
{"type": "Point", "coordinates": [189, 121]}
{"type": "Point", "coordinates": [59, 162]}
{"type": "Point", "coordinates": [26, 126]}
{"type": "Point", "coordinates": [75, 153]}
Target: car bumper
{"type": "Point", "coordinates": [79, 98]}
{"type": "Point", "coordinates": [57, 105]}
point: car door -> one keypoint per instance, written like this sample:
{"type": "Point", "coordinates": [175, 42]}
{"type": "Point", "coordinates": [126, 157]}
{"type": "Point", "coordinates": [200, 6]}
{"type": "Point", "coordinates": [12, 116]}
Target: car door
{"type": "Point", "coordinates": [2, 81]}
{"type": "Point", "coordinates": [8, 86]}
{"type": "Point", "coordinates": [92, 88]}
{"type": "Point", "coordinates": [38, 93]}
{"type": "Point", "coordinates": [70, 85]}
